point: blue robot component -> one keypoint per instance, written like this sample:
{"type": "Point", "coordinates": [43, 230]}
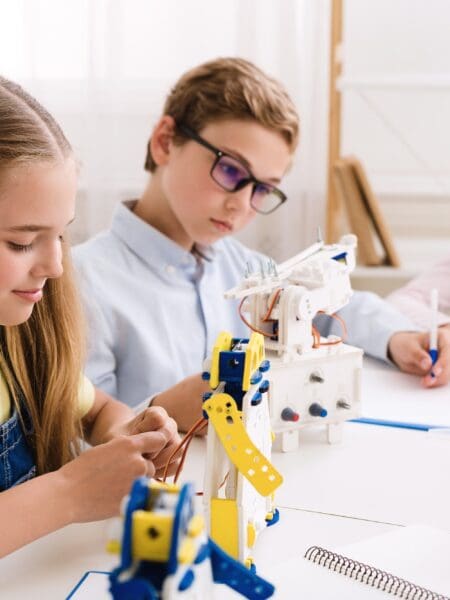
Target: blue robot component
{"type": "Point", "coordinates": [165, 553]}
{"type": "Point", "coordinates": [231, 372]}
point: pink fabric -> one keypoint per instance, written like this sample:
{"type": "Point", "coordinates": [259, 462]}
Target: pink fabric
{"type": "Point", "coordinates": [413, 299]}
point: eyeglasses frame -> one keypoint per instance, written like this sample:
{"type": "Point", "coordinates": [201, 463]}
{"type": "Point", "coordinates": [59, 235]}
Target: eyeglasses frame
{"type": "Point", "coordinates": [191, 134]}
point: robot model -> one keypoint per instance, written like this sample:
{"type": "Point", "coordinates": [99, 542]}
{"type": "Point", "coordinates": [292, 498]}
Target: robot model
{"type": "Point", "coordinates": [312, 379]}
{"type": "Point", "coordinates": [239, 478]}
{"type": "Point", "coordinates": [166, 555]}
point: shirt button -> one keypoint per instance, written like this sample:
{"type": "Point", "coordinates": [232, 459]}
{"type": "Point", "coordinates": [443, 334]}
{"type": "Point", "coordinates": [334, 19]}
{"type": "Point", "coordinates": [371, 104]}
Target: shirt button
{"type": "Point", "coordinates": [170, 269]}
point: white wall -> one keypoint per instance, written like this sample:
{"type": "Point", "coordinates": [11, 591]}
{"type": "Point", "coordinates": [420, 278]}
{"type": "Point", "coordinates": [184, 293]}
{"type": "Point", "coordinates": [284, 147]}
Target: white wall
{"type": "Point", "coordinates": [103, 68]}
{"type": "Point", "coordinates": [398, 119]}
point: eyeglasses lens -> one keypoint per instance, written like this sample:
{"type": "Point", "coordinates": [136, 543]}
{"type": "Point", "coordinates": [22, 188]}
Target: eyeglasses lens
{"type": "Point", "coordinates": [232, 175]}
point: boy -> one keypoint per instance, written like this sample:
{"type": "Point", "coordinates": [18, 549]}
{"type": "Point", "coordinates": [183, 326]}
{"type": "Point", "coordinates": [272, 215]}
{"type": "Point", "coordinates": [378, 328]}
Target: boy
{"type": "Point", "coordinates": [154, 282]}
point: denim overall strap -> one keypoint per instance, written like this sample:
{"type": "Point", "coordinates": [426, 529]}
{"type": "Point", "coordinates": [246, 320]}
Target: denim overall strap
{"type": "Point", "coordinates": [17, 462]}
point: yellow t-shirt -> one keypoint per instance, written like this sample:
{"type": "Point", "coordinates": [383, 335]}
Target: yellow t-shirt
{"type": "Point", "coordinates": [86, 394]}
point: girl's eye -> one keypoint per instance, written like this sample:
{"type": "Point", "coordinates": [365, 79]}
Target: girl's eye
{"type": "Point", "coordinates": [20, 247]}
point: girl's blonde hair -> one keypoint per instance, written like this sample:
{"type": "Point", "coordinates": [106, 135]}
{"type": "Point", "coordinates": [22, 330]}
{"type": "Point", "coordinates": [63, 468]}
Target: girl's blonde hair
{"type": "Point", "coordinates": [230, 88]}
{"type": "Point", "coordinates": [42, 358]}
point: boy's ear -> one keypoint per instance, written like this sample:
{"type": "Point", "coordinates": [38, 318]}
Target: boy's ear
{"type": "Point", "coordinates": [160, 142]}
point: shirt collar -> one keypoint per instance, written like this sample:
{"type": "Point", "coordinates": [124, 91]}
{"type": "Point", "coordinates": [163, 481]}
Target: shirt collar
{"type": "Point", "coordinates": [149, 244]}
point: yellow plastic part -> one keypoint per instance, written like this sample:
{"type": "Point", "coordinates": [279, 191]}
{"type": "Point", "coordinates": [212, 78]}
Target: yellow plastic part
{"type": "Point", "coordinates": [254, 466]}
{"type": "Point", "coordinates": [151, 536]}
{"type": "Point", "coordinates": [186, 552]}
{"type": "Point", "coordinates": [254, 355]}
{"type": "Point", "coordinates": [223, 343]}
{"type": "Point", "coordinates": [196, 525]}
{"type": "Point", "coordinates": [158, 487]}
{"type": "Point", "coordinates": [224, 525]}
{"type": "Point", "coordinates": [251, 535]}
{"type": "Point", "coordinates": [172, 488]}
{"type": "Point", "coordinates": [113, 547]}
{"type": "Point", "coordinates": [248, 562]}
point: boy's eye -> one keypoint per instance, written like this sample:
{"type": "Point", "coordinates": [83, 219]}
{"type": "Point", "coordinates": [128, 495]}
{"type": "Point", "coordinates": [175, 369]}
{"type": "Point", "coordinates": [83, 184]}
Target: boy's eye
{"type": "Point", "coordinates": [261, 189]}
{"type": "Point", "coordinates": [231, 171]}
{"type": "Point", "coordinates": [20, 247]}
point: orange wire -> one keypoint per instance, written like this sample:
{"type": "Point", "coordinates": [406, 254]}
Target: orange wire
{"type": "Point", "coordinates": [344, 330]}
{"type": "Point", "coordinates": [183, 458]}
{"type": "Point", "coordinates": [249, 325]}
{"type": "Point", "coordinates": [187, 440]}
{"type": "Point", "coordinates": [272, 304]}
{"type": "Point", "coordinates": [184, 441]}
{"type": "Point", "coordinates": [220, 486]}
{"type": "Point", "coordinates": [316, 337]}
{"type": "Point", "coordinates": [224, 481]}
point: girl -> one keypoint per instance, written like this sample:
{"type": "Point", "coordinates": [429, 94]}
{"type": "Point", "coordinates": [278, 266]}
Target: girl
{"type": "Point", "coordinates": [413, 300]}
{"type": "Point", "coordinates": [46, 405]}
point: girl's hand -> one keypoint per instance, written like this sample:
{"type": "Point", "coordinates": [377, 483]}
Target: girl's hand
{"type": "Point", "coordinates": [409, 351]}
{"type": "Point", "coordinates": [95, 482]}
{"type": "Point", "coordinates": [156, 419]}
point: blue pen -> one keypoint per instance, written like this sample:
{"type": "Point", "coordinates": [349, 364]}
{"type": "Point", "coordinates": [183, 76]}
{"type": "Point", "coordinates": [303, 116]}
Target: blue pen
{"type": "Point", "coordinates": [400, 424]}
{"type": "Point", "coordinates": [433, 350]}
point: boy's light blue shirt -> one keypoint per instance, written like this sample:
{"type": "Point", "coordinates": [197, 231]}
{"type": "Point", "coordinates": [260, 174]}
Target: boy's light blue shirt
{"type": "Point", "coordinates": [155, 310]}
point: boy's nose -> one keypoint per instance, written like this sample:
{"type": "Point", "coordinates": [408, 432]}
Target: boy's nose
{"type": "Point", "coordinates": [240, 200]}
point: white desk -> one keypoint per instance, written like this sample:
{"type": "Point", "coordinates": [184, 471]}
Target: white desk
{"type": "Point", "coordinates": [375, 479]}
{"type": "Point", "coordinates": [390, 394]}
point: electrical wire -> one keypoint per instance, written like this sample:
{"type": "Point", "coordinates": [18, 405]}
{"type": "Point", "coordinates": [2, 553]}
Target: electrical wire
{"type": "Point", "coordinates": [249, 325]}
{"type": "Point", "coordinates": [272, 304]}
{"type": "Point", "coordinates": [344, 330]}
{"type": "Point", "coordinates": [197, 426]}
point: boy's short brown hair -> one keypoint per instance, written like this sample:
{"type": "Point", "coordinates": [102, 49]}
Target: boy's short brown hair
{"type": "Point", "coordinates": [230, 88]}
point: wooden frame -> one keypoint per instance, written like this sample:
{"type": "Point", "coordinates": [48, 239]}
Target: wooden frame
{"type": "Point", "coordinates": [334, 207]}
{"type": "Point", "coordinates": [375, 244]}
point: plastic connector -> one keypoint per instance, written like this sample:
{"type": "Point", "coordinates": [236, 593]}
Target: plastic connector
{"type": "Point", "coordinates": [264, 387]}
{"type": "Point", "coordinates": [316, 410]}
{"type": "Point", "coordinates": [316, 378]}
{"type": "Point", "coordinates": [256, 399]}
{"type": "Point", "coordinates": [264, 366]}
{"type": "Point", "coordinates": [287, 414]}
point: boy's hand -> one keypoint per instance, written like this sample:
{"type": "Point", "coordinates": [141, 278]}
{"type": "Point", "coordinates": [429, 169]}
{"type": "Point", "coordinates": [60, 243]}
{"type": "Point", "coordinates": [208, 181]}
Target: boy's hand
{"type": "Point", "coordinates": [409, 351]}
{"type": "Point", "coordinates": [156, 418]}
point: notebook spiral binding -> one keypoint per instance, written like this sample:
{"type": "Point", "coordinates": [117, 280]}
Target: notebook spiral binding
{"type": "Point", "coordinates": [381, 580]}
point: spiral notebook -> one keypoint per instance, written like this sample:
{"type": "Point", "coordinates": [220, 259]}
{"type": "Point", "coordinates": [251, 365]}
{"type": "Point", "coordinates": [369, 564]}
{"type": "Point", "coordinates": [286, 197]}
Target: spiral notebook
{"type": "Point", "coordinates": [410, 562]}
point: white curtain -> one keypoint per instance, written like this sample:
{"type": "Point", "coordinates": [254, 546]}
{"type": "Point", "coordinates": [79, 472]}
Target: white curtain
{"type": "Point", "coordinates": [104, 67]}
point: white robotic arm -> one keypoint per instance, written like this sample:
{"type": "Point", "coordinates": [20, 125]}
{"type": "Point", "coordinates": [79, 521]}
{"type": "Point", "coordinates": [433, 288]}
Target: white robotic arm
{"type": "Point", "coordinates": [312, 379]}
{"type": "Point", "coordinates": [283, 301]}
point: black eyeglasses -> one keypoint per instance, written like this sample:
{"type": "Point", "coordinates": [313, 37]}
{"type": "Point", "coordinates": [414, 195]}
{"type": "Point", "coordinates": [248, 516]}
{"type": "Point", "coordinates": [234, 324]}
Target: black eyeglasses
{"type": "Point", "coordinates": [232, 175]}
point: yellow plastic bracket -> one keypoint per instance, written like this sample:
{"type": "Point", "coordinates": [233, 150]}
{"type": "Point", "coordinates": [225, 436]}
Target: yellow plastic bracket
{"type": "Point", "coordinates": [226, 419]}
{"type": "Point", "coordinates": [186, 552]}
{"type": "Point", "coordinates": [151, 536]}
{"type": "Point", "coordinates": [251, 535]}
{"type": "Point", "coordinates": [113, 547]}
{"type": "Point", "coordinates": [254, 355]}
{"type": "Point", "coordinates": [223, 342]}
{"type": "Point", "coordinates": [224, 525]}
{"type": "Point", "coordinates": [196, 526]}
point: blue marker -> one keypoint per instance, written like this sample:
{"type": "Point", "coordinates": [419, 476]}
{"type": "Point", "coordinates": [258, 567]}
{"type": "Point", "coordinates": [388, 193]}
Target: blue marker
{"type": "Point", "coordinates": [433, 351]}
{"type": "Point", "coordinates": [399, 424]}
